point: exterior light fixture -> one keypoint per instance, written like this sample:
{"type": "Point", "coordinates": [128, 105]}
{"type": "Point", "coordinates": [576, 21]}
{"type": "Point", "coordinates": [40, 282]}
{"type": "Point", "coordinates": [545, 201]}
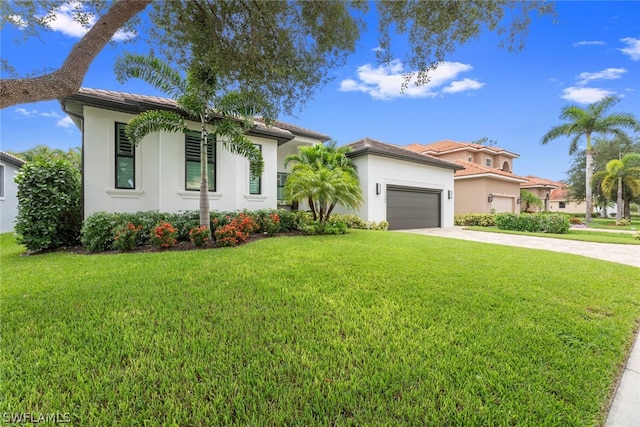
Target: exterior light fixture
{"type": "Point", "coordinates": [490, 199]}
{"type": "Point", "coordinates": [519, 200]}
{"type": "Point", "coordinates": [378, 188]}
{"type": "Point", "coordinates": [450, 195]}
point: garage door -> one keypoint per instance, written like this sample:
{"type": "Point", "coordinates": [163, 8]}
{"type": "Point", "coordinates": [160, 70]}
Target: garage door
{"type": "Point", "coordinates": [409, 207]}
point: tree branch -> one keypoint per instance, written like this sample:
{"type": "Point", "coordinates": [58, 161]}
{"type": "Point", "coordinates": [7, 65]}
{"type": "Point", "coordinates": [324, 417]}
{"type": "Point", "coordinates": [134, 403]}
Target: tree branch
{"type": "Point", "coordinates": [67, 79]}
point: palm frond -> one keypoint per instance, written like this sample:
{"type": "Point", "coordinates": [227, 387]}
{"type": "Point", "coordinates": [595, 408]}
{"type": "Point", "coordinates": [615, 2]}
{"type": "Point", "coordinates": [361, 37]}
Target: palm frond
{"type": "Point", "coordinates": [235, 140]}
{"type": "Point", "coordinates": [153, 71]}
{"type": "Point", "coordinates": [153, 121]}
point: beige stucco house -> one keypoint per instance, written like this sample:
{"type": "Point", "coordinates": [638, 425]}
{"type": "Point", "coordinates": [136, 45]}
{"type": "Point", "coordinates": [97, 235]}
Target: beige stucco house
{"type": "Point", "coordinates": [486, 183]}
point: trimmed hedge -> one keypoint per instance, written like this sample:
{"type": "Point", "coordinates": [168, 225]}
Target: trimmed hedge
{"type": "Point", "coordinates": [539, 222]}
{"type": "Point", "coordinates": [475, 219]}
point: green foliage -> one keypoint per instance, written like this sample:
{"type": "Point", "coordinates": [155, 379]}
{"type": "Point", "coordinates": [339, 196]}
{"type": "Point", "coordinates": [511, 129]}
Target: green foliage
{"type": "Point", "coordinates": [623, 222]}
{"type": "Point", "coordinates": [97, 231]}
{"type": "Point", "coordinates": [164, 236]}
{"type": "Point", "coordinates": [540, 222]}
{"type": "Point", "coordinates": [355, 222]}
{"type": "Point", "coordinates": [234, 232]}
{"type": "Point", "coordinates": [471, 219]}
{"type": "Point", "coordinates": [574, 220]}
{"type": "Point", "coordinates": [124, 238]}
{"type": "Point", "coordinates": [42, 152]}
{"type": "Point", "coordinates": [200, 236]}
{"type": "Point", "coordinates": [266, 221]}
{"type": "Point", "coordinates": [382, 225]}
{"type": "Point", "coordinates": [48, 204]}
{"type": "Point", "coordinates": [528, 199]}
{"type": "Point", "coordinates": [636, 235]}
{"type": "Point", "coordinates": [324, 228]}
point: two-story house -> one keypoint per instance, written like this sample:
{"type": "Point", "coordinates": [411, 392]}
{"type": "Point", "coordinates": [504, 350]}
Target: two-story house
{"type": "Point", "coordinates": [486, 183]}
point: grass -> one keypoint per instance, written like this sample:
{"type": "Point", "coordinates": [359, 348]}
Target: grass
{"type": "Point", "coordinates": [610, 223]}
{"type": "Point", "coordinates": [368, 328]}
{"type": "Point", "coordinates": [583, 235]}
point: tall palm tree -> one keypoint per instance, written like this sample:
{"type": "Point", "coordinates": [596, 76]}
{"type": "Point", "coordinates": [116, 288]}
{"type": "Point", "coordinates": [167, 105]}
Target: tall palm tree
{"type": "Point", "coordinates": [589, 121]}
{"type": "Point", "coordinates": [619, 173]}
{"type": "Point", "coordinates": [198, 95]}
{"type": "Point", "coordinates": [325, 177]}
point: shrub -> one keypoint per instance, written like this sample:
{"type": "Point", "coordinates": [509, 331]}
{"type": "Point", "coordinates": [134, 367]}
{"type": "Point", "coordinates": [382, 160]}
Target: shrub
{"type": "Point", "coordinates": [475, 219]}
{"type": "Point", "coordinates": [382, 225]}
{"type": "Point", "coordinates": [164, 235]}
{"type": "Point", "coordinates": [236, 231]}
{"type": "Point", "coordinates": [351, 220]}
{"type": "Point", "coordinates": [267, 221]}
{"type": "Point", "coordinates": [555, 223]}
{"type": "Point", "coordinates": [623, 221]}
{"type": "Point", "coordinates": [125, 237]}
{"type": "Point", "coordinates": [324, 228]}
{"type": "Point", "coordinates": [199, 236]}
{"type": "Point", "coordinates": [97, 231]}
{"type": "Point", "coordinates": [49, 213]}
{"type": "Point", "coordinates": [575, 220]}
{"type": "Point", "coordinates": [636, 235]}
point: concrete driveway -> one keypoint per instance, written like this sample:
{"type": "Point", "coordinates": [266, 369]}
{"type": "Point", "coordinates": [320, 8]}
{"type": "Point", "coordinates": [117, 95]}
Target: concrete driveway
{"type": "Point", "coordinates": [623, 254]}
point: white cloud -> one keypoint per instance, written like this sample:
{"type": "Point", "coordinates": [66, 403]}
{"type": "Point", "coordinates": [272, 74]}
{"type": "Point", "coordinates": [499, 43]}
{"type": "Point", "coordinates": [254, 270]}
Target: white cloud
{"type": "Point", "coordinates": [632, 49]}
{"type": "Point", "coordinates": [589, 43]}
{"type": "Point", "coordinates": [385, 81]}
{"type": "Point", "coordinates": [64, 23]}
{"type": "Point", "coordinates": [26, 113]}
{"type": "Point", "coordinates": [65, 122]}
{"type": "Point", "coordinates": [606, 74]}
{"type": "Point", "coordinates": [50, 114]}
{"type": "Point", "coordinates": [18, 21]}
{"type": "Point", "coordinates": [585, 95]}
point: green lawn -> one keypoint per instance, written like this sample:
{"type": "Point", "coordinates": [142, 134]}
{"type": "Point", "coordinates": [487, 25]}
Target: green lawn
{"type": "Point", "coordinates": [583, 235]}
{"type": "Point", "coordinates": [610, 223]}
{"type": "Point", "coordinates": [369, 328]}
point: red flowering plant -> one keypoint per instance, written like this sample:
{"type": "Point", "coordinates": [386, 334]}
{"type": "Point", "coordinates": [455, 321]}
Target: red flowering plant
{"type": "Point", "coordinates": [236, 231]}
{"type": "Point", "coordinates": [164, 235]}
{"type": "Point", "coordinates": [199, 236]}
{"type": "Point", "coordinates": [124, 238]}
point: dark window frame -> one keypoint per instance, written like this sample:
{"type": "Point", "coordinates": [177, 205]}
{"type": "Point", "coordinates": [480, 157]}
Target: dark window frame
{"type": "Point", "coordinates": [125, 155]}
{"type": "Point", "coordinates": [192, 152]}
{"type": "Point", "coordinates": [2, 169]}
{"type": "Point", "coordinates": [562, 205]}
{"type": "Point", "coordinates": [252, 179]}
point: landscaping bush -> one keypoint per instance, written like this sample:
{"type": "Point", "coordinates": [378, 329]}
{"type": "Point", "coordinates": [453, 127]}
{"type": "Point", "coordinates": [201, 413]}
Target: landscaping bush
{"type": "Point", "coordinates": [351, 220]}
{"type": "Point", "coordinates": [199, 236]}
{"type": "Point", "coordinates": [236, 231]}
{"type": "Point", "coordinates": [324, 228]}
{"type": "Point", "coordinates": [125, 237]}
{"type": "Point", "coordinates": [97, 231]}
{"type": "Point", "coordinates": [623, 222]}
{"type": "Point", "coordinates": [49, 213]}
{"type": "Point", "coordinates": [575, 220]}
{"type": "Point", "coordinates": [475, 219]}
{"type": "Point", "coordinates": [636, 235]}
{"type": "Point", "coordinates": [267, 221]}
{"type": "Point", "coordinates": [382, 225]}
{"type": "Point", "coordinates": [164, 236]}
{"type": "Point", "coordinates": [555, 223]}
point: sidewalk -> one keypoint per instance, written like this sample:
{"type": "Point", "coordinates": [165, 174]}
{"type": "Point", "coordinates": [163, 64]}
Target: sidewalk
{"type": "Point", "coordinates": [625, 408]}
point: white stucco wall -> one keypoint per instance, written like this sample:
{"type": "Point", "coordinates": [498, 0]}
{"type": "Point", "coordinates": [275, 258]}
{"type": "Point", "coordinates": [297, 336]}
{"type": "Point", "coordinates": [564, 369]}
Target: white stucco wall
{"type": "Point", "coordinates": [160, 171]}
{"type": "Point", "coordinates": [373, 169]}
{"type": "Point", "coordinates": [9, 201]}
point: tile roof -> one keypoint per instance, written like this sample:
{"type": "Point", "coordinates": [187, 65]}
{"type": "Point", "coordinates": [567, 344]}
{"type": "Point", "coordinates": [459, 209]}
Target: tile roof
{"type": "Point", "coordinates": [475, 169]}
{"type": "Point", "coordinates": [558, 194]}
{"type": "Point", "coordinates": [371, 146]}
{"type": "Point", "coordinates": [447, 146]}
{"type": "Point", "coordinates": [534, 181]}
{"type": "Point", "coordinates": [10, 158]}
{"type": "Point", "coordinates": [134, 103]}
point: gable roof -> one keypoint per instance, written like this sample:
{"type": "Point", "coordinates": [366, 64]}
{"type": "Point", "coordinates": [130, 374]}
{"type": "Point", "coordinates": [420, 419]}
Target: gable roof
{"type": "Point", "coordinates": [135, 103]}
{"type": "Point", "coordinates": [11, 159]}
{"type": "Point", "coordinates": [448, 146]}
{"type": "Point", "coordinates": [558, 194]}
{"type": "Point", "coordinates": [534, 181]}
{"type": "Point", "coordinates": [475, 170]}
{"type": "Point", "coordinates": [367, 146]}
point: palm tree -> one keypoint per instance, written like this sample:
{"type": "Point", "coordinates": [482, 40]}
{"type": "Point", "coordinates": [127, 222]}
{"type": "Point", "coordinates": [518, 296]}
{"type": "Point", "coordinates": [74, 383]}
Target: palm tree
{"type": "Point", "coordinates": [325, 177]}
{"type": "Point", "coordinates": [220, 113]}
{"type": "Point", "coordinates": [619, 173]}
{"type": "Point", "coordinates": [528, 199]}
{"type": "Point", "coordinates": [589, 121]}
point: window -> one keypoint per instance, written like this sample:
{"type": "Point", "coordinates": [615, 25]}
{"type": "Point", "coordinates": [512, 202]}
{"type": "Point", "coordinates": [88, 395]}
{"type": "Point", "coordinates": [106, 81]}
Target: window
{"type": "Point", "coordinates": [487, 161]}
{"type": "Point", "coordinates": [255, 183]}
{"type": "Point", "coordinates": [192, 161]}
{"type": "Point", "coordinates": [561, 205]}
{"type": "Point", "coordinates": [470, 159]}
{"type": "Point", "coordinates": [282, 178]}
{"type": "Point", "coordinates": [1, 180]}
{"type": "Point", "coordinates": [125, 159]}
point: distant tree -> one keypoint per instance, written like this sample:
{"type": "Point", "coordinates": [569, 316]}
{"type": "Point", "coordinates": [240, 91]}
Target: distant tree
{"type": "Point", "coordinates": [324, 177]}
{"type": "Point", "coordinates": [220, 113]}
{"type": "Point", "coordinates": [528, 199]}
{"type": "Point", "coordinates": [618, 174]}
{"type": "Point", "coordinates": [73, 155]}
{"type": "Point", "coordinates": [287, 49]}
{"type": "Point", "coordinates": [485, 141]}
{"type": "Point", "coordinates": [586, 122]}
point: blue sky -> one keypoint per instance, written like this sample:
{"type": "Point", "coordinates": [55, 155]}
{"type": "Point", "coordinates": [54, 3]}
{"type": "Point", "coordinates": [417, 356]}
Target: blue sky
{"type": "Point", "coordinates": [590, 50]}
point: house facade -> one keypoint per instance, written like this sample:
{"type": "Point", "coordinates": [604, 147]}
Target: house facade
{"type": "Point", "coordinates": [163, 171]}
{"type": "Point", "coordinates": [407, 189]}
{"type": "Point", "coordinates": [9, 167]}
{"type": "Point", "coordinates": [486, 182]}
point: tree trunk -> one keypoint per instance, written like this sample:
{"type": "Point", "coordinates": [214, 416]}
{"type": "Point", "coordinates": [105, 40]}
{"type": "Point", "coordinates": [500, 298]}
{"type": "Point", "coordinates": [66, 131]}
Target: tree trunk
{"type": "Point", "coordinates": [312, 206]}
{"type": "Point", "coordinates": [205, 213]}
{"type": "Point", "coordinates": [588, 190]}
{"type": "Point", "coordinates": [619, 200]}
{"type": "Point", "coordinates": [627, 208]}
{"type": "Point", "coordinates": [67, 79]}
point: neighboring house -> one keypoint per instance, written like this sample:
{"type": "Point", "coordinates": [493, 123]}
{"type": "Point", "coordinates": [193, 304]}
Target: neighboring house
{"type": "Point", "coordinates": [163, 171]}
{"type": "Point", "coordinates": [407, 189]}
{"type": "Point", "coordinates": [486, 183]}
{"type": "Point", "coordinates": [559, 202]}
{"type": "Point", "coordinates": [9, 166]}
{"type": "Point", "coordinates": [542, 189]}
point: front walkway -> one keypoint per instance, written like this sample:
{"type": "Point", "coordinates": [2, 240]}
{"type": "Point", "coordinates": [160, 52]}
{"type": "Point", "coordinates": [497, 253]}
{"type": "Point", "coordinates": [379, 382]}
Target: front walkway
{"type": "Point", "coordinates": [625, 408]}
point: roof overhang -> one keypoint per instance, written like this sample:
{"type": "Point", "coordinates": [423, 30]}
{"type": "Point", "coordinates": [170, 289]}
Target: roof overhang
{"type": "Point", "coordinates": [490, 175]}
{"type": "Point", "coordinates": [417, 158]}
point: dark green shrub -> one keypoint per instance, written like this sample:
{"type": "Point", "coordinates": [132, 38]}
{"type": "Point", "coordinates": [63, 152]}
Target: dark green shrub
{"type": "Point", "coordinates": [555, 223]}
{"type": "Point", "coordinates": [98, 230]}
{"type": "Point", "coordinates": [49, 213]}
{"type": "Point", "coordinates": [324, 228]}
